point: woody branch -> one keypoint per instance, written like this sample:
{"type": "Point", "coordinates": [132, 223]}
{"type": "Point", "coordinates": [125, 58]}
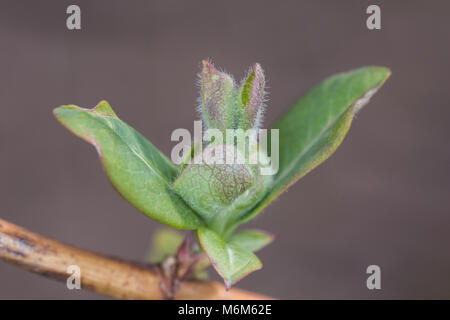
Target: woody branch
{"type": "Point", "coordinates": [105, 275]}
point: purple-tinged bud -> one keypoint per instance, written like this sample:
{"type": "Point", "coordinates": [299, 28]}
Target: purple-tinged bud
{"type": "Point", "coordinates": [217, 98]}
{"type": "Point", "coordinates": [251, 99]}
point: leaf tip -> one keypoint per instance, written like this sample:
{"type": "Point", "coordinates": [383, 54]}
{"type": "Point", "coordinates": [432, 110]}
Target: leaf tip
{"type": "Point", "coordinates": [383, 73]}
{"type": "Point", "coordinates": [207, 65]}
{"type": "Point", "coordinates": [272, 237]}
{"type": "Point", "coordinates": [388, 73]}
{"type": "Point", "coordinates": [209, 71]}
{"type": "Point", "coordinates": [104, 108]}
{"type": "Point", "coordinates": [58, 113]}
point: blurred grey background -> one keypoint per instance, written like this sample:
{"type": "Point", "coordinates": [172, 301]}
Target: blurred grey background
{"type": "Point", "coordinates": [382, 198]}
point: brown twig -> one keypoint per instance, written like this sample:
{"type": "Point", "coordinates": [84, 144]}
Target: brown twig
{"type": "Point", "coordinates": [109, 276]}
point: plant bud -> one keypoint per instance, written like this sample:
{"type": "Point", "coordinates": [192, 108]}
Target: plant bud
{"type": "Point", "coordinates": [251, 99]}
{"type": "Point", "coordinates": [221, 190]}
{"type": "Point", "coordinates": [217, 98]}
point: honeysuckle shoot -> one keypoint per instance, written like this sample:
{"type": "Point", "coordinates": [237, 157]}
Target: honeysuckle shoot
{"type": "Point", "coordinates": [218, 185]}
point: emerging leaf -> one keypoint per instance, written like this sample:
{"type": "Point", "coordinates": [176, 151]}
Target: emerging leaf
{"type": "Point", "coordinates": [211, 188]}
{"type": "Point", "coordinates": [136, 168]}
{"type": "Point", "coordinates": [217, 98]}
{"type": "Point", "coordinates": [221, 193]}
{"type": "Point", "coordinates": [251, 99]}
{"type": "Point", "coordinates": [230, 260]}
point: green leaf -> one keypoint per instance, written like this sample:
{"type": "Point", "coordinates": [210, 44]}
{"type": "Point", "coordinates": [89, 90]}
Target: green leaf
{"type": "Point", "coordinates": [165, 242]}
{"type": "Point", "coordinates": [312, 129]}
{"type": "Point", "coordinates": [136, 168]}
{"type": "Point", "coordinates": [230, 260]}
{"type": "Point", "coordinates": [252, 240]}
